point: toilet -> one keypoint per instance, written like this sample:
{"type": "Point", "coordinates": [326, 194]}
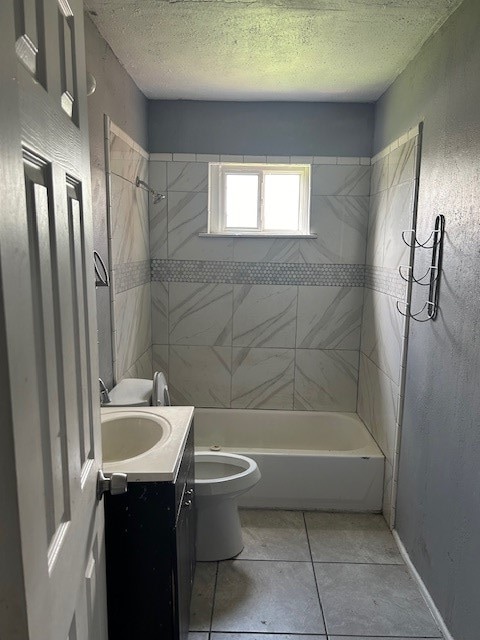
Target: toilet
{"type": "Point", "coordinates": [219, 479]}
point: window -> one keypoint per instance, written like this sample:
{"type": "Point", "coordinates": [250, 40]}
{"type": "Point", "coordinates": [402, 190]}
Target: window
{"type": "Point", "coordinates": [258, 199]}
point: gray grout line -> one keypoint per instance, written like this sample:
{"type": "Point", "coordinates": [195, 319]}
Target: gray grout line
{"type": "Point", "coordinates": [213, 600]}
{"type": "Point", "coordinates": [316, 635]}
{"type": "Point", "coordinates": [283, 633]}
{"type": "Point", "coordinates": [314, 576]}
{"type": "Point", "coordinates": [382, 564]}
{"type": "Point", "coordinates": [237, 346]}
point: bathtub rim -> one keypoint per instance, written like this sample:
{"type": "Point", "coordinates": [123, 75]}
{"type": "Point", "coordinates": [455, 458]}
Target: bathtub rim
{"type": "Point", "coordinates": [370, 450]}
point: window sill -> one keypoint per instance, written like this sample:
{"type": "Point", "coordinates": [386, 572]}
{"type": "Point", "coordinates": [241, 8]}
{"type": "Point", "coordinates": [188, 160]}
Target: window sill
{"type": "Point", "coordinates": [258, 235]}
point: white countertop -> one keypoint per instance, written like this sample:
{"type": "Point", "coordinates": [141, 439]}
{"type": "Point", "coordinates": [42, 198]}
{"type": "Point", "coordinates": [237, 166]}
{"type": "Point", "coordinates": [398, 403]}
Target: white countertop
{"type": "Point", "coordinates": [161, 463]}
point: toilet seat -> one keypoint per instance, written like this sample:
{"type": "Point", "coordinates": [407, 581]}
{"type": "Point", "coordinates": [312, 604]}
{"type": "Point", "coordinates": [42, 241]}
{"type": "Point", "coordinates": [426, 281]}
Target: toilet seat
{"type": "Point", "coordinates": [224, 473]}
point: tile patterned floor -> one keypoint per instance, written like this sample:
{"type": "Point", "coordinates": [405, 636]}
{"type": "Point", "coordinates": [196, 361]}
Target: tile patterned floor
{"type": "Point", "coordinates": [310, 576]}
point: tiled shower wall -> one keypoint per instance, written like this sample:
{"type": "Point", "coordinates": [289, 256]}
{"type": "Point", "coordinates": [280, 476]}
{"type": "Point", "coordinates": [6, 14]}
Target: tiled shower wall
{"type": "Point", "coordinates": [129, 256]}
{"type": "Point", "coordinates": [257, 322]}
{"type": "Point", "coordinates": [392, 210]}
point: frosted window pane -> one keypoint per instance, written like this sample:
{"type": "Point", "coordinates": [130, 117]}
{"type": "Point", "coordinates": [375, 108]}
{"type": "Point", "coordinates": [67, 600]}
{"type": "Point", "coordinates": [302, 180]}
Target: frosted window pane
{"type": "Point", "coordinates": [282, 201]}
{"type": "Point", "coordinates": [241, 201]}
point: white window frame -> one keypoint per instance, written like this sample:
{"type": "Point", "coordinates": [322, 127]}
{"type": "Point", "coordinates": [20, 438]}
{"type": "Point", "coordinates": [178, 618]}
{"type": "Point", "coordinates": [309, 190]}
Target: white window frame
{"type": "Point", "coordinates": [217, 172]}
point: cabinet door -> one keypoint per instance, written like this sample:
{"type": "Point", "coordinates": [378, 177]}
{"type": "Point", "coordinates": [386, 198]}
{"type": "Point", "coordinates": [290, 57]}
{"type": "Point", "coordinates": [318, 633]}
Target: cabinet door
{"type": "Point", "coordinates": [185, 561]}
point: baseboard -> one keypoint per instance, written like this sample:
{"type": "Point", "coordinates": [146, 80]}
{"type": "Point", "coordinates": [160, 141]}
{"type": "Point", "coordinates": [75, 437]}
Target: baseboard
{"type": "Point", "coordinates": [428, 598]}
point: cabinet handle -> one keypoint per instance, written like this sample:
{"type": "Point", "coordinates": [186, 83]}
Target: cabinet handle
{"type": "Point", "coordinates": [190, 492]}
{"type": "Point", "coordinates": [187, 503]}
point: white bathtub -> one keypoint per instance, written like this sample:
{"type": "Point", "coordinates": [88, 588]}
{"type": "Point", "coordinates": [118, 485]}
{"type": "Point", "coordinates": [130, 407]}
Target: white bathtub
{"type": "Point", "coordinates": [308, 459]}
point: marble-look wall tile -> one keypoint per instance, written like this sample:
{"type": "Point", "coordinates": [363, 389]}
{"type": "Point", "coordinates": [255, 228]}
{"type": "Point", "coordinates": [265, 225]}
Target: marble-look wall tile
{"type": "Point", "coordinates": [160, 313]}
{"type": "Point", "coordinates": [133, 336]}
{"type": "Point", "coordinates": [340, 180]}
{"type": "Point", "coordinates": [379, 176]}
{"type": "Point", "coordinates": [387, 492]}
{"type": "Point", "coordinates": [126, 161]}
{"type": "Point", "coordinates": [402, 163]}
{"type": "Point", "coordinates": [400, 211]}
{"type": "Point", "coordinates": [141, 368]}
{"type": "Point", "coordinates": [200, 314]}
{"type": "Point", "coordinates": [157, 175]}
{"type": "Point", "coordinates": [392, 211]}
{"type": "Point", "coordinates": [200, 376]}
{"type": "Point", "coordinates": [378, 405]}
{"type": "Point", "coordinates": [187, 217]}
{"type": "Point", "coordinates": [329, 317]}
{"type": "Point", "coordinates": [264, 315]}
{"type": "Point", "coordinates": [340, 223]}
{"type": "Point", "coordinates": [266, 250]}
{"type": "Point", "coordinates": [376, 229]}
{"type": "Point", "coordinates": [160, 359]}
{"type": "Point", "coordinates": [187, 176]}
{"type": "Point", "coordinates": [158, 212]}
{"type": "Point", "coordinates": [382, 332]}
{"type": "Point", "coordinates": [392, 207]}
{"type": "Point", "coordinates": [325, 380]}
{"type": "Point", "coordinates": [129, 220]}
{"type": "Point", "coordinates": [158, 215]}
{"type": "Point", "coordinates": [262, 378]}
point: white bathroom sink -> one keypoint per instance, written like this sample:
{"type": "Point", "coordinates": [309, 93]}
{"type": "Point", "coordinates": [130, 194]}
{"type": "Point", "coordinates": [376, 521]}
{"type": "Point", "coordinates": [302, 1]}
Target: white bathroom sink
{"type": "Point", "coordinates": [146, 443]}
{"type": "Point", "coordinates": [128, 435]}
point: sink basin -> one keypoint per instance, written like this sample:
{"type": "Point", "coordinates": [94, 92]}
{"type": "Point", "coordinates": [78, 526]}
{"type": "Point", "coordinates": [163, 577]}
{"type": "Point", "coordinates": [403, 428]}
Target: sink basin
{"type": "Point", "coordinates": [127, 435]}
{"type": "Point", "coordinates": [146, 443]}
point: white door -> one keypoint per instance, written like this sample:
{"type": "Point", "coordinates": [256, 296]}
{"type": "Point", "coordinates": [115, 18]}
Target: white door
{"type": "Point", "coordinates": [52, 576]}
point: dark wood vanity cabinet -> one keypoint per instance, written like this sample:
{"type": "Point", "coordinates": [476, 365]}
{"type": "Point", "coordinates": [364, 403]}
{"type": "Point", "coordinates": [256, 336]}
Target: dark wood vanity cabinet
{"type": "Point", "coordinates": [150, 556]}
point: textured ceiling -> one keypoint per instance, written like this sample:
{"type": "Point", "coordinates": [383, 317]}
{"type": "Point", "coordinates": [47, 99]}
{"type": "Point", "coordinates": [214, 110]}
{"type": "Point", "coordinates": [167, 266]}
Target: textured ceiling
{"type": "Point", "coordinates": [319, 50]}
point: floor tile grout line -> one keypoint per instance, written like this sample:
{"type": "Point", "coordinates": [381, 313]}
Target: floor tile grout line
{"type": "Point", "coordinates": [369, 564]}
{"type": "Point", "coordinates": [288, 633]}
{"type": "Point", "coordinates": [321, 635]}
{"type": "Point", "coordinates": [213, 599]}
{"type": "Point", "coordinates": [314, 576]}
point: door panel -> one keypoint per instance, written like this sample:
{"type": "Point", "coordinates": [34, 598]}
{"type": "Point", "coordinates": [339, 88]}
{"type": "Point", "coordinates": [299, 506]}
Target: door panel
{"type": "Point", "coordinates": [29, 44]}
{"type": "Point", "coordinates": [48, 301]}
{"type": "Point", "coordinates": [80, 338]}
{"type": "Point", "coordinates": [46, 312]}
{"type": "Point", "coordinates": [66, 38]}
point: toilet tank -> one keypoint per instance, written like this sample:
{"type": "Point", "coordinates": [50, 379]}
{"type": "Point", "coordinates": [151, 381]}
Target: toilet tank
{"type": "Point", "coordinates": [131, 392]}
{"type": "Point", "coordinates": [138, 392]}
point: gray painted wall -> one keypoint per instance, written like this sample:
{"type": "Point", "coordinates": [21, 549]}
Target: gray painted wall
{"type": "Point", "coordinates": [263, 128]}
{"type": "Point", "coordinates": [439, 484]}
{"type": "Point", "coordinates": [118, 97]}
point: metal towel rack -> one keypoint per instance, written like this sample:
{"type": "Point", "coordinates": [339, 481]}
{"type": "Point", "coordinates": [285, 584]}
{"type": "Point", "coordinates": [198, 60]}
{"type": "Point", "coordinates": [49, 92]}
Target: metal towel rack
{"type": "Point", "coordinates": [101, 279]}
{"type": "Point", "coordinates": [431, 278]}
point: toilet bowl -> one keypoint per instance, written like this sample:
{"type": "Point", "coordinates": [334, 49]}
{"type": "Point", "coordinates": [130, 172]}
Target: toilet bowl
{"type": "Point", "coordinates": [219, 479]}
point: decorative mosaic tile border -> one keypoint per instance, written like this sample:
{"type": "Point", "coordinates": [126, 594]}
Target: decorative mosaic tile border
{"type": "Point", "coordinates": [385, 280]}
{"type": "Point", "coordinates": [130, 275]}
{"type": "Point", "coordinates": [135, 274]}
{"type": "Point", "coordinates": [291, 273]}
